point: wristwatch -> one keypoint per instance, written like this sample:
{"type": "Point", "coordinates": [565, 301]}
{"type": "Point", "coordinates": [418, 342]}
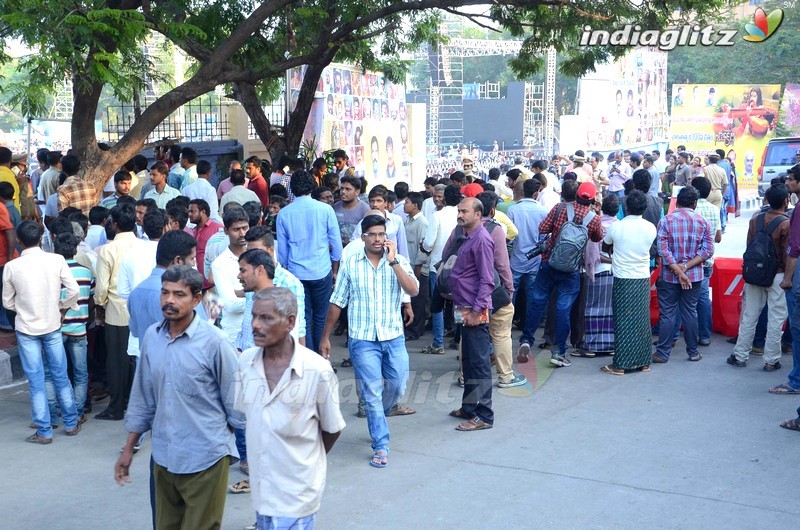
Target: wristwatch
{"type": "Point", "coordinates": [394, 262]}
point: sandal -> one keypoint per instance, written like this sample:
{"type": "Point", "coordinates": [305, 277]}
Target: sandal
{"type": "Point", "coordinates": [379, 459]}
{"type": "Point", "coordinates": [401, 410]}
{"type": "Point", "coordinates": [784, 389]}
{"type": "Point", "coordinates": [347, 363]}
{"type": "Point", "coordinates": [475, 424]}
{"type": "Point", "coordinates": [580, 352]}
{"type": "Point", "coordinates": [40, 440]}
{"type": "Point", "coordinates": [243, 486]}
{"type": "Point", "coordinates": [792, 425]}
{"type": "Point", "coordinates": [608, 369]}
{"type": "Point", "coordinates": [459, 413]}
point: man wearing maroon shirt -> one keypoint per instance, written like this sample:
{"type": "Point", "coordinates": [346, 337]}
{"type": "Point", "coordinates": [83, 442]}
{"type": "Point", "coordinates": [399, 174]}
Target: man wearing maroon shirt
{"type": "Point", "coordinates": [257, 182]}
{"type": "Point", "coordinates": [472, 283]}
{"type": "Point", "coordinates": [199, 212]}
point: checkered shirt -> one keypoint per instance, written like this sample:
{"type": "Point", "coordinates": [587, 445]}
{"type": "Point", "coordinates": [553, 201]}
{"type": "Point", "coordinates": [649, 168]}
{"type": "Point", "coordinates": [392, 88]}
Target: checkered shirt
{"type": "Point", "coordinates": [682, 235]}
{"type": "Point", "coordinates": [78, 194]}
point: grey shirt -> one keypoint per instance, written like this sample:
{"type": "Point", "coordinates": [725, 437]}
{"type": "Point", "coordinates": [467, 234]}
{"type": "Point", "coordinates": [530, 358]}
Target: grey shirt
{"type": "Point", "coordinates": [683, 173]}
{"type": "Point", "coordinates": [415, 234]}
{"type": "Point", "coordinates": [183, 391]}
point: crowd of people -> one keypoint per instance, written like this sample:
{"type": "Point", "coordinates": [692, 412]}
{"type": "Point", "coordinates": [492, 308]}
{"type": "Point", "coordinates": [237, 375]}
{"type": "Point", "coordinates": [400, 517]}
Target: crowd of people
{"type": "Point", "coordinates": [204, 311]}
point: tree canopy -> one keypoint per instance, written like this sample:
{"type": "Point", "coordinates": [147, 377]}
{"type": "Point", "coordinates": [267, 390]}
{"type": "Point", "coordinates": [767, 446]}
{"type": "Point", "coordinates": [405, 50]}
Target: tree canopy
{"type": "Point", "coordinates": [248, 44]}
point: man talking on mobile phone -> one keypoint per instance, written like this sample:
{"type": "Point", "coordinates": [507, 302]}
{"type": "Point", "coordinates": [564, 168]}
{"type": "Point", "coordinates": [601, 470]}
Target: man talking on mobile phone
{"type": "Point", "coordinates": [371, 284]}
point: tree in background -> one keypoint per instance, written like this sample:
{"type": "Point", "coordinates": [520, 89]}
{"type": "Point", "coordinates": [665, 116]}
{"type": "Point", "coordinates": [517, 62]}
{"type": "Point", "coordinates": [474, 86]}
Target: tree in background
{"type": "Point", "coordinates": [248, 45]}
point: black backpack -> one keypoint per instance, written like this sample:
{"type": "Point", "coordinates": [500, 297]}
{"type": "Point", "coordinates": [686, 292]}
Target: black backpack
{"type": "Point", "coordinates": [760, 260]}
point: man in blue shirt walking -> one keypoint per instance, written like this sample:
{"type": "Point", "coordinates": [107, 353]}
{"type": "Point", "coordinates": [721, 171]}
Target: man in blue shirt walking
{"type": "Point", "coordinates": [310, 247]}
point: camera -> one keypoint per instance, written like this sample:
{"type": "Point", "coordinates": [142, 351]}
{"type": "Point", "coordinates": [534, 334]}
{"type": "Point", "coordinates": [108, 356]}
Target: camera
{"type": "Point", "coordinates": [540, 247]}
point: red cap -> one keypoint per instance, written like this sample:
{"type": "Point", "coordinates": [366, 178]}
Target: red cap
{"type": "Point", "coordinates": [587, 191]}
{"type": "Point", "coordinates": [471, 190]}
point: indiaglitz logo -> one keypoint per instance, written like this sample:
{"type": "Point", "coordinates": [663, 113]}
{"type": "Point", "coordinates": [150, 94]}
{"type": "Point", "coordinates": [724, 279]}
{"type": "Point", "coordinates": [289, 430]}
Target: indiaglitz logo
{"type": "Point", "coordinates": [763, 26]}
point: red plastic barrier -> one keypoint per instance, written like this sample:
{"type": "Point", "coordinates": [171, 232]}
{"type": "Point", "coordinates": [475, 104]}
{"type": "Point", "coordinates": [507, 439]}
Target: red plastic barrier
{"type": "Point", "coordinates": [654, 298]}
{"type": "Point", "coordinates": [726, 285]}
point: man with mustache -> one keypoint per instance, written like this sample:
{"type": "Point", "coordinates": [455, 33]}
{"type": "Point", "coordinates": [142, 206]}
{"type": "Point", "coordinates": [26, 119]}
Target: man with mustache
{"type": "Point", "coordinates": [225, 269]}
{"type": "Point", "coordinates": [183, 393]}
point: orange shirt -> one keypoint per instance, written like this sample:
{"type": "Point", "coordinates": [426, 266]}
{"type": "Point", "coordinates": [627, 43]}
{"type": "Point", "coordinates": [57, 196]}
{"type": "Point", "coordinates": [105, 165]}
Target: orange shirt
{"type": "Point", "coordinates": [5, 224]}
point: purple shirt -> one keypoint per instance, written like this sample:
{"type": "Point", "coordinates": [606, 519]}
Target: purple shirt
{"type": "Point", "coordinates": [793, 248]}
{"type": "Point", "coordinates": [472, 277]}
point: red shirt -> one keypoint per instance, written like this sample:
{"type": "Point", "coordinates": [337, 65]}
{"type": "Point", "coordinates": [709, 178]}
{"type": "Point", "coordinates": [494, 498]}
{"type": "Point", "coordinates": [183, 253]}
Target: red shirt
{"type": "Point", "coordinates": [259, 186]}
{"type": "Point", "coordinates": [202, 235]}
{"type": "Point", "coordinates": [5, 224]}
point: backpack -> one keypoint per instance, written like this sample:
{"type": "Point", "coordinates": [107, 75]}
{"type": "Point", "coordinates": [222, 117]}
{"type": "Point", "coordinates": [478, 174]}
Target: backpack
{"type": "Point", "coordinates": [500, 297]}
{"type": "Point", "coordinates": [566, 254]}
{"type": "Point", "coordinates": [760, 260]}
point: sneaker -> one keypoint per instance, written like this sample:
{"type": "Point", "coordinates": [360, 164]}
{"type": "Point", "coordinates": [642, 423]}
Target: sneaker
{"type": "Point", "coordinates": [733, 361]}
{"type": "Point", "coordinates": [517, 380]}
{"type": "Point", "coordinates": [560, 360]}
{"type": "Point", "coordinates": [755, 350]}
{"type": "Point", "coordinates": [433, 350]}
{"type": "Point", "coordinates": [522, 352]}
{"type": "Point", "coordinates": [772, 367]}
{"type": "Point", "coordinates": [704, 342]}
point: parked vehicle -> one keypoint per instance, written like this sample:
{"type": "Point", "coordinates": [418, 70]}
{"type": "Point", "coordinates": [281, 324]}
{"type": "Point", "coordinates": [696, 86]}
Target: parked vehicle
{"type": "Point", "coordinates": [779, 155]}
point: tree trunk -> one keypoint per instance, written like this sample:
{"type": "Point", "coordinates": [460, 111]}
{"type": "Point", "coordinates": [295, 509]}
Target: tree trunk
{"type": "Point", "coordinates": [245, 93]}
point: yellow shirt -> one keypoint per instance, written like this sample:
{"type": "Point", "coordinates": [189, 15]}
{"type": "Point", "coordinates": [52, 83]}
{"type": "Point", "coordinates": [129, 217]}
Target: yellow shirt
{"type": "Point", "coordinates": [109, 259]}
{"type": "Point", "coordinates": [6, 175]}
{"type": "Point", "coordinates": [503, 219]}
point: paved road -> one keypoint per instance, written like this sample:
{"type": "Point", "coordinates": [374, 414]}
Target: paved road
{"type": "Point", "coordinates": [689, 445]}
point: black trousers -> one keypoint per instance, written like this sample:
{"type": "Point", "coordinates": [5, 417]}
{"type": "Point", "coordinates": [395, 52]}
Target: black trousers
{"type": "Point", "coordinates": [419, 304]}
{"type": "Point", "coordinates": [477, 368]}
{"type": "Point", "coordinates": [120, 367]}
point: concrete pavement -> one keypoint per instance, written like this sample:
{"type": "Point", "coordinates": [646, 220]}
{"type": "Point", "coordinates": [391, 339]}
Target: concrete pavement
{"type": "Point", "coordinates": [689, 445]}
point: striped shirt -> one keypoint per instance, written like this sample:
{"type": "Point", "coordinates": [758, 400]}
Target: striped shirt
{"type": "Point", "coordinates": [373, 297]}
{"type": "Point", "coordinates": [710, 213]}
{"type": "Point", "coordinates": [75, 322]}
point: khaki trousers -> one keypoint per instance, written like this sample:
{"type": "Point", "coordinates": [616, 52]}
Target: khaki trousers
{"type": "Point", "coordinates": [194, 501]}
{"type": "Point", "coordinates": [500, 333]}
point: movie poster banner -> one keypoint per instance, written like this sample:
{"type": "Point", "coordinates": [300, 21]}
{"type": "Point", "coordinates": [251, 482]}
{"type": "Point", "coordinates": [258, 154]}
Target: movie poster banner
{"type": "Point", "coordinates": [637, 85]}
{"type": "Point", "coordinates": [365, 115]}
{"type": "Point", "coordinates": [740, 119]}
{"type": "Point", "coordinates": [790, 109]}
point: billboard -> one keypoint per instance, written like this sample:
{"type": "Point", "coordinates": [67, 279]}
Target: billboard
{"type": "Point", "coordinates": [790, 109]}
{"type": "Point", "coordinates": [738, 118]}
{"type": "Point", "coordinates": [366, 115]}
{"type": "Point", "coordinates": [637, 85]}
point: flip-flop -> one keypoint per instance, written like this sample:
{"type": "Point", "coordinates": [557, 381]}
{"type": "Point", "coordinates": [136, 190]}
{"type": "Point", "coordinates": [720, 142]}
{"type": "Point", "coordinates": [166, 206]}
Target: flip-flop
{"type": "Point", "coordinates": [475, 424]}
{"type": "Point", "coordinates": [608, 369]}
{"type": "Point", "coordinates": [243, 486]}
{"type": "Point", "coordinates": [784, 389]}
{"type": "Point", "coordinates": [40, 440]}
{"type": "Point", "coordinates": [347, 363]}
{"type": "Point", "coordinates": [380, 459]}
{"type": "Point", "coordinates": [401, 410]}
{"type": "Point", "coordinates": [792, 425]}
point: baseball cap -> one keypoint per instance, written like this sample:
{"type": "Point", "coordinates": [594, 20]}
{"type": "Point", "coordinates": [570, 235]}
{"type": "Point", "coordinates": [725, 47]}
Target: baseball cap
{"type": "Point", "coordinates": [471, 190]}
{"type": "Point", "coordinates": [587, 191]}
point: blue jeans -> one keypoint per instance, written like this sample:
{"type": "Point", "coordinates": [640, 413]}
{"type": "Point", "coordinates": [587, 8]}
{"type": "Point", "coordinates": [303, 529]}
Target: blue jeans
{"type": "Point", "coordinates": [528, 277]}
{"type": "Point", "coordinates": [318, 295]}
{"type": "Point", "coordinates": [794, 319]}
{"type": "Point", "coordinates": [437, 319]}
{"type": "Point", "coordinates": [567, 286]}
{"type": "Point", "coordinates": [265, 522]}
{"type": "Point", "coordinates": [704, 307]}
{"type": "Point", "coordinates": [241, 445]}
{"type": "Point", "coordinates": [723, 213]}
{"type": "Point", "coordinates": [381, 369]}
{"type": "Point", "coordinates": [30, 353]}
{"type": "Point", "coordinates": [75, 347]}
{"type": "Point", "coordinates": [672, 299]}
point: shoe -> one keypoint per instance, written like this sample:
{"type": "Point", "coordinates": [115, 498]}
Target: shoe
{"type": "Point", "coordinates": [517, 380]}
{"type": "Point", "coordinates": [696, 357]}
{"type": "Point", "coordinates": [433, 350]}
{"type": "Point", "coordinates": [755, 350]}
{"type": "Point", "coordinates": [36, 439]}
{"type": "Point", "coordinates": [74, 432]}
{"type": "Point", "coordinates": [657, 359]}
{"type": "Point", "coordinates": [772, 367]}
{"type": "Point", "coordinates": [733, 361]}
{"type": "Point", "coordinates": [108, 415]}
{"type": "Point", "coordinates": [560, 360]}
{"type": "Point", "coordinates": [704, 342]}
{"type": "Point", "coordinates": [732, 340]}
{"type": "Point", "coordinates": [522, 352]}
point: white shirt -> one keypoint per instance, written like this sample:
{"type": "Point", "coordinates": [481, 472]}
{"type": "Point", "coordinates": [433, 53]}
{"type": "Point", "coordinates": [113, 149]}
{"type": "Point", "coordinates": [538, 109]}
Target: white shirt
{"type": "Point", "coordinates": [162, 198]}
{"type": "Point", "coordinates": [189, 177]}
{"type": "Point", "coordinates": [93, 235]}
{"type": "Point", "coordinates": [439, 229]}
{"type": "Point", "coordinates": [548, 198]}
{"type": "Point", "coordinates": [32, 287]}
{"type": "Point", "coordinates": [288, 464]}
{"type": "Point", "coordinates": [428, 209]}
{"type": "Point", "coordinates": [201, 189]}
{"type": "Point", "coordinates": [240, 195]}
{"type": "Point", "coordinates": [137, 264]}
{"type": "Point", "coordinates": [631, 237]}
{"type": "Point", "coordinates": [225, 270]}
